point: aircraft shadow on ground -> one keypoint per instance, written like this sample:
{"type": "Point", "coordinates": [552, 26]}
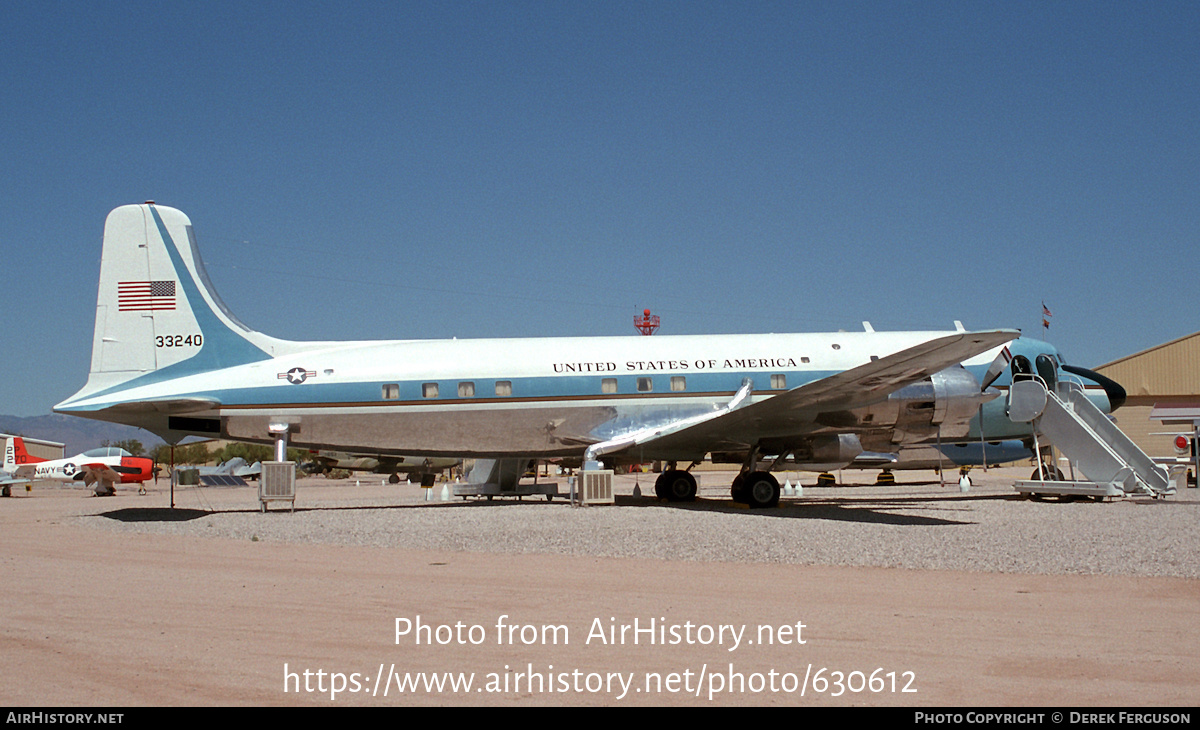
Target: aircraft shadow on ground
{"type": "Point", "coordinates": [184, 514]}
{"type": "Point", "coordinates": [881, 511]}
{"type": "Point", "coordinates": [874, 511]}
{"type": "Point", "coordinates": [154, 514]}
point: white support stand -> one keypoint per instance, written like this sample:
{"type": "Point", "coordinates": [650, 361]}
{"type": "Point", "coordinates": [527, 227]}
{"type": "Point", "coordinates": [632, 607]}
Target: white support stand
{"type": "Point", "coordinates": [278, 480]}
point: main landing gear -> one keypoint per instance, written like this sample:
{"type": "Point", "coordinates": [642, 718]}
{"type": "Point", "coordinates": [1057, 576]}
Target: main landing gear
{"type": "Point", "coordinates": [675, 485]}
{"type": "Point", "coordinates": [758, 489]}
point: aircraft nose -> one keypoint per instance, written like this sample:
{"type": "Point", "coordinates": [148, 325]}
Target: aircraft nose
{"type": "Point", "coordinates": [1116, 394]}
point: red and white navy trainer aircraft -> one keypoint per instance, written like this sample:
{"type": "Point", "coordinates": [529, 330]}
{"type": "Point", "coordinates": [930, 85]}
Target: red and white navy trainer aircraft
{"type": "Point", "coordinates": [101, 468]}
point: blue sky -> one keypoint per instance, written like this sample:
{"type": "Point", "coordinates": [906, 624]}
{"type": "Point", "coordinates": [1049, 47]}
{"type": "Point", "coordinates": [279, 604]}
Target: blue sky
{"type": "Point", "coordinates": [424, 170]}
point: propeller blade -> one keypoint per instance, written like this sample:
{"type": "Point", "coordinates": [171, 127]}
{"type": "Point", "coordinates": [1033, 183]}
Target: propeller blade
{"type": "Point", "coordinates": [996, 368]}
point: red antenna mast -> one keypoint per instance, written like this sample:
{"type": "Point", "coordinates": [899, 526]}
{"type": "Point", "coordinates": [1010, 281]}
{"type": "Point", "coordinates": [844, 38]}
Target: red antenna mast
{"type": "Point", "coordinates": [646, 323]}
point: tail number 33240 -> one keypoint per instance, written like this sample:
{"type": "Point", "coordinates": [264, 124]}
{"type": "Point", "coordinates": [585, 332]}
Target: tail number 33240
{"type": "Point", "coordinates": [179, 340]}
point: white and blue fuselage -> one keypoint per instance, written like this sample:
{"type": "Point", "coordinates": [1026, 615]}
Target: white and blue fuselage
{"type": "Point", "coordinates": [170, 357]}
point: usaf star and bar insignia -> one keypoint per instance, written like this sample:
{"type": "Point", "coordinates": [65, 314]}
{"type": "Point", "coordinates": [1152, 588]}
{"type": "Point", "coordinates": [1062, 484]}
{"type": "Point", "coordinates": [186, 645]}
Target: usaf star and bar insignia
{"type": "Point", "coordinates": [296, 376]}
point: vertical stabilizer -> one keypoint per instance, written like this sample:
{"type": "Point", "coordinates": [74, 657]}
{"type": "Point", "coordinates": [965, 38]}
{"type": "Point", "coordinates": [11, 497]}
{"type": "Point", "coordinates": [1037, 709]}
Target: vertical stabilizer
{"type": "Point", "coordinates": [157, 314]}
{"type": "Point", "coordinates": [10, 454]}
{"type": "Point", "coordinates": [15, 454]}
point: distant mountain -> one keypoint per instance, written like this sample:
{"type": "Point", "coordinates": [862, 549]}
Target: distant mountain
{"type": "Point", "coordinates": [77, 434]}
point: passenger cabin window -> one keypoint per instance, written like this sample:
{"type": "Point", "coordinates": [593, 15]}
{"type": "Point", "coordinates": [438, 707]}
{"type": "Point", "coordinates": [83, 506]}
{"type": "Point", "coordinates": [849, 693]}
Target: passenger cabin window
{"type": "Point", "coordinates": [429, 390]}
{"type": "Point", "coordinates": [645, 385]}
{"type": "Point", "coordinates": [778, 382]}
{"type": "Point", "coordinates": [391, 391]}
{"type": "Point", "coordinates": [804, 359]}
{"type": "Point", "coordinates": [466, 390]}
{"type": "Point", "coordinates": [608, 385]}
{"type": "Point", "coordinates": [503, 387]}
{"type": "Point", "coordinates": [678, 383]}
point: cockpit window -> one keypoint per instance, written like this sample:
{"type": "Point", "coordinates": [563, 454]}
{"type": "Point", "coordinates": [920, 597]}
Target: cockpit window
{"type": "Point", "coordinates": [1022, 368]}
{"type": "Point", "coordinates": [1048, 369]}
{"type": "Point", "coordinates": [107, 451]}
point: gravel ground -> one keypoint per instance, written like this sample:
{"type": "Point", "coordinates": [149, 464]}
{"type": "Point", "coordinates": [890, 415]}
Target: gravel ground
{"type": "Point", "coordinates": [123, 601]}
{"type": "Point", "coordinates": [915, 524]}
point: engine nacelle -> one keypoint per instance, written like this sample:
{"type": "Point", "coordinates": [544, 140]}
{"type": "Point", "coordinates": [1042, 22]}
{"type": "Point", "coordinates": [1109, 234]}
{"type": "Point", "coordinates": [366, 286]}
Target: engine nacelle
{"type": "Point", "coordinates": [947, 400]}
{"type": "Point", "coordinates": [827, 452]}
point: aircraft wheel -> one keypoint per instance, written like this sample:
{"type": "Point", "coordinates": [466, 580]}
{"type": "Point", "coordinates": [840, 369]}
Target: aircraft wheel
{"type": "Point", "coordinates": [549, 497]}
{"type": "Point", "coordinates": [394, 479]}
{"type": "Point", "coordinates": [675, 485]}
{"type": "Point", "coordinates": [6, 491]}
{"type": "Point", "coordinates": [1047, 474]}
{"type": "Point", "coordinates": [761, 490]}
{"type": "Point", "coordinates": [737, 489]}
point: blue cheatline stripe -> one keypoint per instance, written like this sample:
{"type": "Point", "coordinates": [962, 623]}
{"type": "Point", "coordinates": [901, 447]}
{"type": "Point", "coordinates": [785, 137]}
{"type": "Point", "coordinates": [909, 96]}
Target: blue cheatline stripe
{"type": "Point", "coordinates": [370, 393]}
{"type": "Point", "coordinates": [550, 388]}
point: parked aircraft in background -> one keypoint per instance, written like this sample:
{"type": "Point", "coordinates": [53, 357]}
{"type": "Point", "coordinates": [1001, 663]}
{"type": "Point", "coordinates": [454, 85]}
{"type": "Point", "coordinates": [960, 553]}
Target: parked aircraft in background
{"type": "Point", "coordinates": [7, 480]}
{"type": "Point", "coordinates": [100, 468]}
{"type": "Point", "coordinates": [236, 467]}
{"type": "Point", "coordinates": [931, 456]}
{"type": "Point", "coordinates": [949, 456]}
{"type": "Point", "coordinates": [168, 356]}
{"type": "Point", "coordinates": [425, 468]}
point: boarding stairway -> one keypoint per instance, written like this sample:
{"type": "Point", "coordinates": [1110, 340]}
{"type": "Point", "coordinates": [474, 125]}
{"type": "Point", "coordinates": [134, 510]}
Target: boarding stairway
{"type": "Point", "coordinates": [1092, 443]}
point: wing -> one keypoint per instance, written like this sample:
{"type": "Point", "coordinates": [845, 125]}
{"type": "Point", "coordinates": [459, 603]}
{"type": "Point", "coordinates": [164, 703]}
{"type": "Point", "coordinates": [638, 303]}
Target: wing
{"type": "Point", "coordinates": [102, 473]}
{"type": "Point", "coordinates": [795, 412]}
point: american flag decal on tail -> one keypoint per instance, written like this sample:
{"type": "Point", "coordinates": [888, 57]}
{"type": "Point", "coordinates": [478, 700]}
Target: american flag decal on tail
{"type": "Point", "coordinates": [145, 296]}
